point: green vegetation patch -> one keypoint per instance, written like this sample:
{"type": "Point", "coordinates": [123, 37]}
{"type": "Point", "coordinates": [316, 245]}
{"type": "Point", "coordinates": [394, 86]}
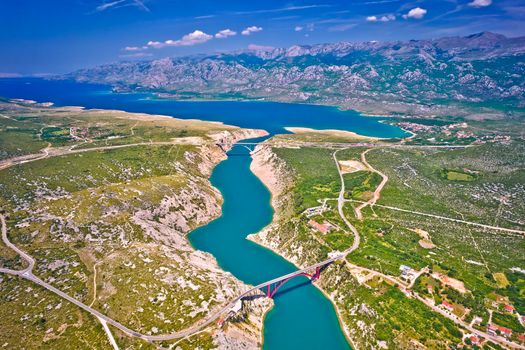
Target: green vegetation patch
{"type": "Point", "coordinates": [444, 182]}
{"type": "Point", "coordinates": [508, 320]}
{"type": "Point", "coordinates": [37, 319]}
{"type": "Point", "coordinates": [455, 175]}
{"type": "Point", "coordinates": [361, 184]}
{"type": "Point", "coordinates": [316, 175]}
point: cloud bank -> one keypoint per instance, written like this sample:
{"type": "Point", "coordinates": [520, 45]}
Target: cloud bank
{"type": "Point", "coordinates": [193, 38]}
{"type": "Point", "coordinates": [480, 3]}
{"type": "Point", "coordinates": [223, 34]}
{"type": "Point", "coordinates": [418, 13]}
{"type": "Point", "coordinates": [251, 29]}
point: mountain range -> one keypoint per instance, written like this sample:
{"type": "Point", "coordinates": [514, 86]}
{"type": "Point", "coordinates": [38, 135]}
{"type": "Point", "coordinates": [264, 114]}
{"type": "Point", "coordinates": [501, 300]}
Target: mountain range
{"type": "Point", "coordinates": [484, 69]}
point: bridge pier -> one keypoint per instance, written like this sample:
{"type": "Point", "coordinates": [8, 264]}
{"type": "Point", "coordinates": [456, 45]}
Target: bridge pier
{"type": "Point", "coordinates": [249, 146]}
{"type": "Point", "coordinates": [272, 288]}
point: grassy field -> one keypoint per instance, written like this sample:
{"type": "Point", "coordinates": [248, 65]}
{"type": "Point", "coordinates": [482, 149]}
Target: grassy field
{"type": "Point", "coordinates": [468, 266]}
{"type": "Point", "coordinates": [107, 226]}
{"type": "Point", "coordinates": [26, 129]}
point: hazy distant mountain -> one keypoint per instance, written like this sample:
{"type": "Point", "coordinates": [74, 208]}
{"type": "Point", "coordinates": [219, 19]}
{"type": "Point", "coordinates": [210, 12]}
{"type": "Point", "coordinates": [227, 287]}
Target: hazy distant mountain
{"type": "Point", "coordinates": [484, 67]}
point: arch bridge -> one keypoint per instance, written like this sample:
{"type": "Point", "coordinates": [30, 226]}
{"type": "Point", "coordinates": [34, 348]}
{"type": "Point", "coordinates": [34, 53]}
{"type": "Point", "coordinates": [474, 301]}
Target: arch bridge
{"type": "Point", "coordinates": [250, 146]}
{"type": "Point", "coordinates": [270, 288]}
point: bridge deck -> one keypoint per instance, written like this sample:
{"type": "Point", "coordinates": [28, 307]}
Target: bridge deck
{"type": "Point", "coordinates": [290, 275]}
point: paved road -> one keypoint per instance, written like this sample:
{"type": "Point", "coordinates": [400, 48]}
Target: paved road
{"type": "Point", "coordinates": [60, 151]}
{"type": "Point", "coordinates": [28, 275]}
{"type": "Point", "coordinates": [496, 228]}
{"type": "Point", "coordinates": [340, 206]}
{"type": "Point", "coordinates": [377, 192]}
{"type": "Point", "coordinates": [344, 145]}
{"type": "Point", "coordinates": [28, 258]}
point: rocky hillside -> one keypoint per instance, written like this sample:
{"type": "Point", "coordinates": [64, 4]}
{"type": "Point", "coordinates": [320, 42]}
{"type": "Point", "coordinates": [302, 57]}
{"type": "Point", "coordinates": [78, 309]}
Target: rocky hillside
{"type": "Point", "coordinates": [486, 69]}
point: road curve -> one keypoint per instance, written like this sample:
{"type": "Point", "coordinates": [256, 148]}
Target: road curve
{"type": "Point", "coordinates": [377, 192]}
{"type": "Point", "coordinates": [489, 227]}
{"type": "Point", "coordinates": [340, 205]}
{"type": "Point", "coordinates": [28, 275]}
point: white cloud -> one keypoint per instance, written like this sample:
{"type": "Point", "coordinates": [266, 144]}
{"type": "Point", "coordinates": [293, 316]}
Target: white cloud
{"type": "Point", "coordinates": [480, 3]}
{"type": "Point", "coordinates": [371, 19]}
{"type": "Point", "coordinates": [121, 3]}
{"type": "Point", "coordinates": [193, 38]}
{"type": "Point", "coordinates": [256, 47]}
{"type": "Point", "coordinates": [251, 29]}
{"type": "Point", "coordinates": [416, 13]}
{"type": "Point", "coordinates": [135, 48]}
{"type": "Point", "coordinates": [223, 34]}
{"type": "Point", "coordinates": [387, 18]}
{"type": "Point", "coordinates": [298, 28]}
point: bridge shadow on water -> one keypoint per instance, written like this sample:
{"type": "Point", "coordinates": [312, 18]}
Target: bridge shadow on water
{"type": "Point", "coordinates": [288, 289]}
{"type": "Point", "coordinates": [238, 155]}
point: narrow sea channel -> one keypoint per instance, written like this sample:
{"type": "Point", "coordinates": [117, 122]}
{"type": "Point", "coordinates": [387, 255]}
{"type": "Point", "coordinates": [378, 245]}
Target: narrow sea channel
{"type": "Point", "coordinates": [302, 317]}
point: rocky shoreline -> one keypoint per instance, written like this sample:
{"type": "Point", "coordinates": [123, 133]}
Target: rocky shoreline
{"type": "Point", "coordinates": [274, 174]}
{"type": "Point", "coordinates": [244, 331]}
{"type": "Point", "coordinates": [117, 216]}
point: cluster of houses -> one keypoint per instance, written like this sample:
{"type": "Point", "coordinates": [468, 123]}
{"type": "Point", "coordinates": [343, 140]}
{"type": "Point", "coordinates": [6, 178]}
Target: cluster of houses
{"type": "Point", "coordinates": [325, 227]}
{"type": "Point", "coordinates": [407, 273]}
{"type": "Point", "coordinates": [79, 133]}
{"type": "Point", "coordinates": [309, 212]}
{"type": "Point", "coordinates": [494, 330]}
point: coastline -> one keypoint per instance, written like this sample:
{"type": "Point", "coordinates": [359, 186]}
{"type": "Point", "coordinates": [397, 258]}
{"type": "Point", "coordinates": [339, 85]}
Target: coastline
{"type": "Point", "coordinates": [212, 99]}
{"type": "Point", "coordinates": [269, 175]}
{"type": "Point", "coordinates": [249, 332]}
{"type": "Point", "coordinates": [333, 132]}
{"type": "Point", "coordinates": [254, 325]}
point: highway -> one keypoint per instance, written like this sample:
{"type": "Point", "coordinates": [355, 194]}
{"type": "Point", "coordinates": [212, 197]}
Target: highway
{"type": "Point", "coordinates": [27, 273]}
{"type": "Point", "coordinates": [60, 151]}
{"type": "Point", "coordinates": [340, 208]}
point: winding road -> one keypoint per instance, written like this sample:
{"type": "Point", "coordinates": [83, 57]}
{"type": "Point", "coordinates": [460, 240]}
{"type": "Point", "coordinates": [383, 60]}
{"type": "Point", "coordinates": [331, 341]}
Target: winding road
{"type": "Point", "coordinates": [27, 273]}
{"type": "Point", "coordinates": [377, 192]}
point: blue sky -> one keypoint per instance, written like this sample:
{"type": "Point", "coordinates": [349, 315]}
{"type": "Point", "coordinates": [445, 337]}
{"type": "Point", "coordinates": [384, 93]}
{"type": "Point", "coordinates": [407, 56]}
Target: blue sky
{"type": "Point", "coordinates": [55, 36]}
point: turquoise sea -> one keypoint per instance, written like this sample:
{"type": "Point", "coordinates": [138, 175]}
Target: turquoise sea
{"type": "Point", "coordinates": [302, 317]}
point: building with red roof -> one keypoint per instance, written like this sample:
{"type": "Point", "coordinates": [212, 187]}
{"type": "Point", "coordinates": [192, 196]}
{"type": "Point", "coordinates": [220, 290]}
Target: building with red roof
{"type": "Point", "coordinates": [447, 306]}
{"type": "Point", "coordinates": [474, 340]}
{"type": "Point", "coordinates": [325, 227]}
{"type": "Point", "coordinates": [493, 329]}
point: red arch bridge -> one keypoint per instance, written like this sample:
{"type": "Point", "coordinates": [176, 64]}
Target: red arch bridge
{"type": "Point", "coordinates": [271, 287]}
